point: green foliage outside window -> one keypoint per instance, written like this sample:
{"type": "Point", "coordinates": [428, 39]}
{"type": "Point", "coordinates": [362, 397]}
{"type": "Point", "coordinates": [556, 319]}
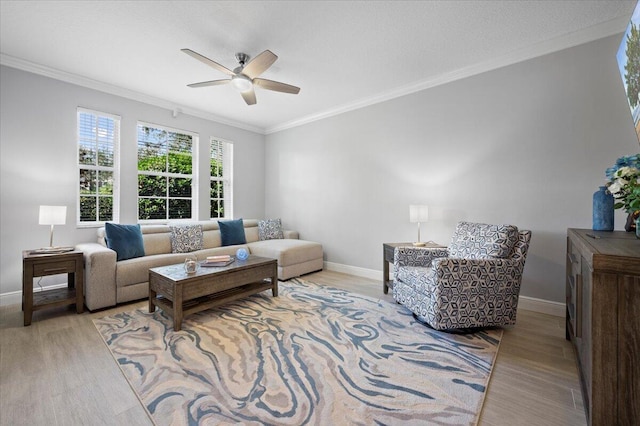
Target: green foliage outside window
{"type": "Point", "coordinates": [217, 181]}
{"type": "Point", "coordinates": [165, 166]}
{"type": "Point", "coordinates": [97, 137]}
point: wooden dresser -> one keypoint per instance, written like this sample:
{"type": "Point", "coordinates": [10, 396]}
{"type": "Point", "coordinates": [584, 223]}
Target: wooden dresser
{"type": "Point", "coordinates": [603, 322]}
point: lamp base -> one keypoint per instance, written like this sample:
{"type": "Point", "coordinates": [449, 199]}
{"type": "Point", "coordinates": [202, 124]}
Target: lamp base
{"type": "Point", "coordinates": [419, 244]}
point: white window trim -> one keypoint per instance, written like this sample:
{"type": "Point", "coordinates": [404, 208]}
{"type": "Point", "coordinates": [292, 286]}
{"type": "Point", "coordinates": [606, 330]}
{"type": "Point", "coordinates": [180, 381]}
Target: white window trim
{"type": "Point", "coordinates": [195, 138]}
{"type": "Point", "coordinates": [227, 178]}
{"type": "Point", "coordinates": [115, 169]}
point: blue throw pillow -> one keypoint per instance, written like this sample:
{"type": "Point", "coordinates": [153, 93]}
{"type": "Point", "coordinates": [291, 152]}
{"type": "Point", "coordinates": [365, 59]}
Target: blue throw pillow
{"type": "Point", "coordinates": [125, 240]}
{"type": "Point", "coordinates": [232, 232]}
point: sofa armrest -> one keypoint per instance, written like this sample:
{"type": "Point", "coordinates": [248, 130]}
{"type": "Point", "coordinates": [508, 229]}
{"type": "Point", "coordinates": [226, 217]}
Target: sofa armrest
{"type": "Point", "coordinates": [292, 235]}
{"type": "Point", "coordinates": [417, 256]}
{"type": "Point", "coordinates": [99, 275]}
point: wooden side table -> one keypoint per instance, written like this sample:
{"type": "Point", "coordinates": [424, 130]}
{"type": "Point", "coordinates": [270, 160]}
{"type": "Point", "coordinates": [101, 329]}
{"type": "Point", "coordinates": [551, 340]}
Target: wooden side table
{"type": "Point", "coordinates": [42, 264]}
{"type": "Point", "coordinates": [387, 258]}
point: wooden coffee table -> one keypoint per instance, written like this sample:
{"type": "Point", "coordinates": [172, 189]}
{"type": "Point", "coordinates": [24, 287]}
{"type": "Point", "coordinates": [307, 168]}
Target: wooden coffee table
{"type": "Point", "coordinates": [180, 294]}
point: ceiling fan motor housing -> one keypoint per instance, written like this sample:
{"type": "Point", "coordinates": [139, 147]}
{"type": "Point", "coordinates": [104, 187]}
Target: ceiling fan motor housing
{"type": "Point", "coordinates": [243, 58]}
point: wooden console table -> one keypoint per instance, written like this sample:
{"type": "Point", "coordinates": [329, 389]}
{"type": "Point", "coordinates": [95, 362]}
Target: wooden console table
{"type": "Point", "coordinates": [603, 322]}
{"type": "Point", "coordinates": [42, 264]}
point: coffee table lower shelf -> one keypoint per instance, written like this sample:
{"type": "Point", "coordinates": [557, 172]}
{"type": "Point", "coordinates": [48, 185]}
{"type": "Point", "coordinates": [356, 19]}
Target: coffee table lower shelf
{"type": "Point", "coordinates": [213, 300]}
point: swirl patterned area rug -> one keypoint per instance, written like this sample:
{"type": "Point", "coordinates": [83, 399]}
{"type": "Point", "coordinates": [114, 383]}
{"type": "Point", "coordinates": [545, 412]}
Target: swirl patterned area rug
{"type": "Point", "coordinates": [314, 355]}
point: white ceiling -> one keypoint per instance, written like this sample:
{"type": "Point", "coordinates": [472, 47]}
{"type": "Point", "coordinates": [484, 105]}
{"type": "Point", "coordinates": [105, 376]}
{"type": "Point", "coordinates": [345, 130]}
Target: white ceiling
{"type": "Point", "coordinates": [343, 54]}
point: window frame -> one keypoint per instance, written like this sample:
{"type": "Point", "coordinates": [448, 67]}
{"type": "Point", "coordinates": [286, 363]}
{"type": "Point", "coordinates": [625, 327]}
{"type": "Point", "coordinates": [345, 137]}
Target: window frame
{"type": "Point", "coordinates": [193, 176]}
{"type": "Point", "coordinates": [114, 169]}
{"type": "Point", "coordinates": [226, 179]}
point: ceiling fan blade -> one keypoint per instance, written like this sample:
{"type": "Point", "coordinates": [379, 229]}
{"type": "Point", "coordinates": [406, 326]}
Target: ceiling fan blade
{"type": "Point", "coordinates": [259, 64]}
{"type": "Point", "coordinates": [209, 83]}
{"type": "Point", "coordinates": [207, 61]}
{"type": "Point", "coordinates": [249, 96]}
{"type": "Point", "coordinates": [276, 86]}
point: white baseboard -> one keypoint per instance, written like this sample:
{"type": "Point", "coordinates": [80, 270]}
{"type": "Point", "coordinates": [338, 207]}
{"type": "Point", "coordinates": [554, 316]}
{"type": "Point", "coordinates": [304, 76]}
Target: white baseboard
{"type": "Point", "coordinates": [15, 297]}
{"type": "Point", "coordinates": [542, 306]}
{"type": "Point", "coordinates": [528, 303]}
{"type": "Point", "coordinates": [353, 270]}
{"type": "Point", "coordinates": [524, 302]}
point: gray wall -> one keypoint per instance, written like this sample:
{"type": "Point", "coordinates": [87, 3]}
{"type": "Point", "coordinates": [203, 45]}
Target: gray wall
{"type": "Point", "coordinates": [526, 144]}
{"type": "Point", "coordinates": [38, 162]}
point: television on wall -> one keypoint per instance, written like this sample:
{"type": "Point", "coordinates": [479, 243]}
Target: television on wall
{"type": "Point", "coordinates": [628, 57]}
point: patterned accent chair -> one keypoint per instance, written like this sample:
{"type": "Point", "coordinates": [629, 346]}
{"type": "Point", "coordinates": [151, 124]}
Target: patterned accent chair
{"type": "Point", "coordinates": [475, 282]}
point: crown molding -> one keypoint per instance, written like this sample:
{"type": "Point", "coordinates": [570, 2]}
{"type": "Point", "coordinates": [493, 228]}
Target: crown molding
{"type": "Point", "coordinates": [605, 29]}
{"type": "Point", "coordinates": [111, 89]}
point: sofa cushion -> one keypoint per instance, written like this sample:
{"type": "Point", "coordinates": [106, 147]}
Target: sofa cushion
{"type": "Point", "coordinates": [287, 252]}
{"type": "Point", "coordinates": [482, 241]}
{"type": "Point", "coordinates": [232, 232]}
{"type": "Point", "coordinates": [135, 271]}
{"type": "Point", "coordinates": [270, 229]}
{"type": "Point", "coordinates": [125, 240]}
{"type": "Point", "coordinates": [186, 238]}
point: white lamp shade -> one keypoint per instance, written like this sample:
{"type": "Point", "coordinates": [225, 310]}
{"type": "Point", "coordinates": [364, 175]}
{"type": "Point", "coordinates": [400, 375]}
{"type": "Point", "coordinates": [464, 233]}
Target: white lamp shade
{"type": "Point", "coordinates": [53, 215]}
{"type": "Point", "coordinates": [418, 213]}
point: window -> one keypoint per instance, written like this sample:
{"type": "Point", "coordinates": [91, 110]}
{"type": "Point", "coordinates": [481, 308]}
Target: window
{"type": "Point", "coordinates": [221, 179]}
{"type": "Point", "coordinates": [166, 170]}
{"type": "Point", "coordinates": [98, 174]}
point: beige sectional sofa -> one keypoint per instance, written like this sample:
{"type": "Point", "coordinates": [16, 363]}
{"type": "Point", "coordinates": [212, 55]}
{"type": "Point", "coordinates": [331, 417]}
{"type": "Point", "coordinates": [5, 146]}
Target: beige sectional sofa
{"type": "Point", "coordinates": [108, 282]}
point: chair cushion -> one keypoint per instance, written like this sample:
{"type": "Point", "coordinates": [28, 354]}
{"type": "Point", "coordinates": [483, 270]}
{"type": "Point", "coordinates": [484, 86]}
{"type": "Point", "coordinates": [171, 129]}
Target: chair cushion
{"type": "Point", "coordinates": [125, 240]}
{"type": "Point", "coordinates": [483, 241]}
{"type": "Point", "coordinates": [232, 232]}
{"type": "Point", "coordinates": [419, 279]}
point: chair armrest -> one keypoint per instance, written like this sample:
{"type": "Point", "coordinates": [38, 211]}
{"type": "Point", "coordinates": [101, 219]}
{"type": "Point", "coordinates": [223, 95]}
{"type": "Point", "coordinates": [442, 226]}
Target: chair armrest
{"type": "Point", "coordinates": [481, 274]}
{"type": "Point", "coordinates": [417, 256]}
{"type": "Point", "coordinates": [99, 275]}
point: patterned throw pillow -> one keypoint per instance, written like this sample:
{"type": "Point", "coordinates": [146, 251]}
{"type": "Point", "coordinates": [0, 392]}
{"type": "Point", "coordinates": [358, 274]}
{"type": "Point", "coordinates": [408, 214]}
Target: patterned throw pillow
{"type": "Point", "coordinates": [482, 241]}
{"type": "Point", "coordinates": [270, 229]}
{"type": "Point", "coordinates": [186, 238]}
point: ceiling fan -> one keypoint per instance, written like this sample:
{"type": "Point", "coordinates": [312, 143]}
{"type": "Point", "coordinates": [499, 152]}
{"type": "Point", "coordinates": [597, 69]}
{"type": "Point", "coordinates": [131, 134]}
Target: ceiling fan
{"type": "Point", "coordinates": [245, 76]}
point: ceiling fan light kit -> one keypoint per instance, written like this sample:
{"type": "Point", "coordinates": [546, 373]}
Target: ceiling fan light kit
{"type": "Point", "coordinates": [241, 82]}
{"type": "Point", "coordinates": [244, 77]}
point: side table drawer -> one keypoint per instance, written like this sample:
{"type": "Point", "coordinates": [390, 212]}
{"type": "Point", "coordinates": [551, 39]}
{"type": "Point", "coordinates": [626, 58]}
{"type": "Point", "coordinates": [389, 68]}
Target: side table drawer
{"type": "Point", "coordinates": [52, 268]}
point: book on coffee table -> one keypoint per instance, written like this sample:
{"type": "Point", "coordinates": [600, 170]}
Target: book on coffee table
{"type": "Point", "coordinates": [217, 263]}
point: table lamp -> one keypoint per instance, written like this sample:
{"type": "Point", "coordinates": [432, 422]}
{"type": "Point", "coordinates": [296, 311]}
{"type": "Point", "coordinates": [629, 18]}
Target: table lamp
{"type": "Point", "coordinates": [418, 214]}
{"type": "Point", "coordinates": [52, 215]}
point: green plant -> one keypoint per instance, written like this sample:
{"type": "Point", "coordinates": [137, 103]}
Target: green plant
{"type": "Point", "coordinates": [624, 183]}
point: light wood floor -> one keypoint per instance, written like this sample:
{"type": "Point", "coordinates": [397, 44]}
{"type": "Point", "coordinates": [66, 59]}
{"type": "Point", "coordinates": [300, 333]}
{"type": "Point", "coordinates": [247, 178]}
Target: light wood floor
{"type": "Point", "coordinates": [59, 372]}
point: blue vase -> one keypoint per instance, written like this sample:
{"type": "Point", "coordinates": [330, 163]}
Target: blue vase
{"type": "Point", "coordinates": [602, 210]}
